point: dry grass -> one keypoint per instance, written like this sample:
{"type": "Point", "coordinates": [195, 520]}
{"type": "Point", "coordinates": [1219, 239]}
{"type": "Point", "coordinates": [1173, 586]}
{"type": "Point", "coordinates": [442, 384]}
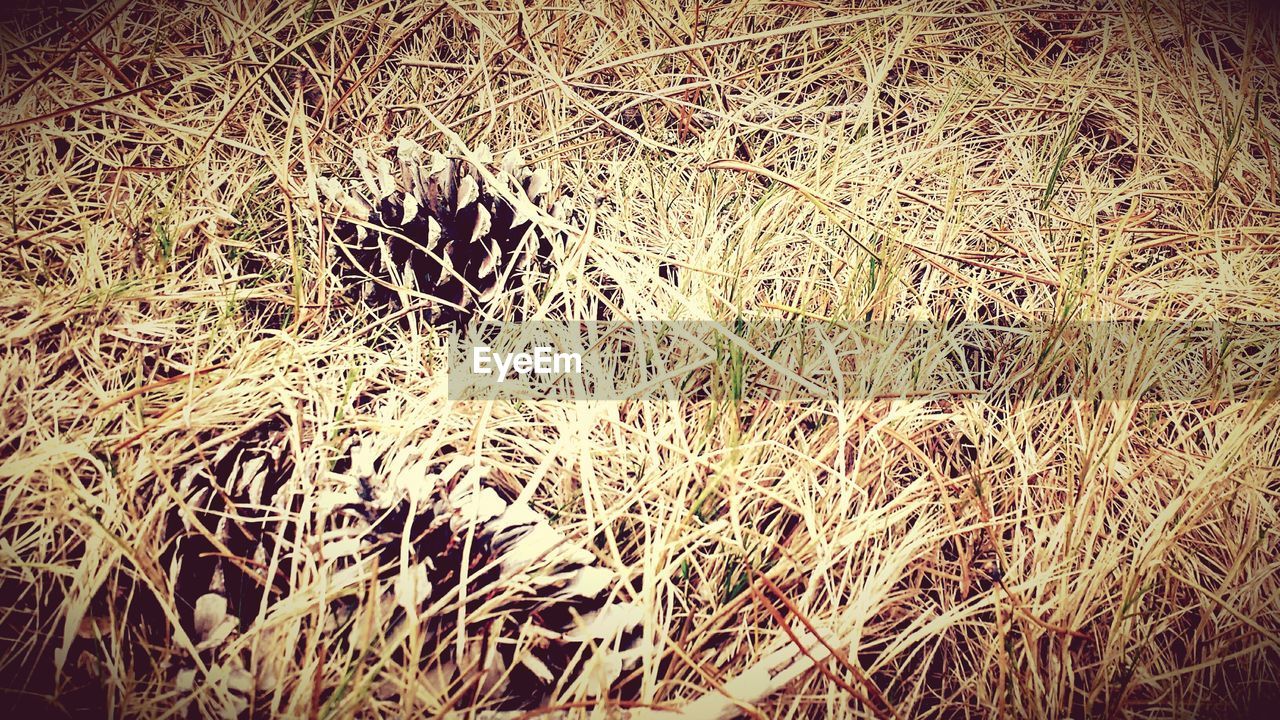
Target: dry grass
{"type": "Point", "coordinates": [160, 163]}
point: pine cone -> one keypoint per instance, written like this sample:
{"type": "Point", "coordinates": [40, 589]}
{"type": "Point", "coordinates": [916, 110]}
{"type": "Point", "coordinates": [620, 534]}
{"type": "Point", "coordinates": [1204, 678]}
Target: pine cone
{"type": "Point", "coordinates": [220, 554]}
{"type": "Point", "coordinates": [426, 230]}
{"type": "Point", "coordinates": [429, 529]}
